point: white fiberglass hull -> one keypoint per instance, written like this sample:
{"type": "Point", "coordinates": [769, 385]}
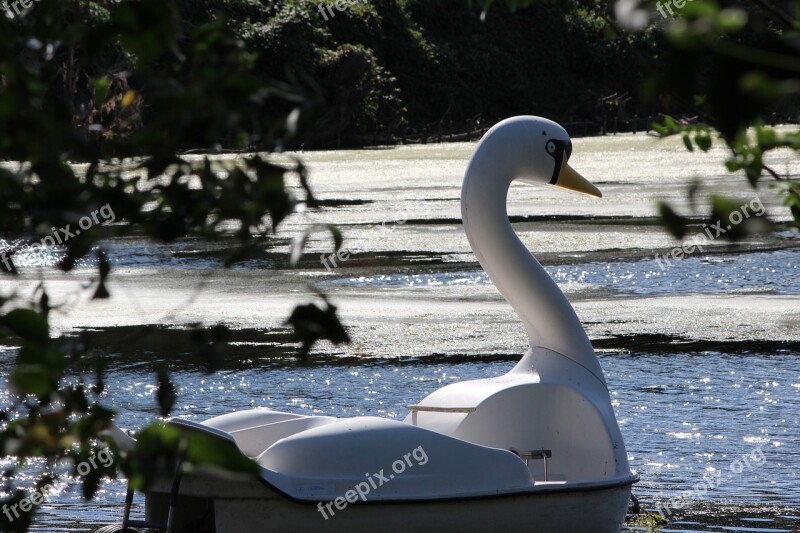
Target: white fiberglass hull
{"type": "Point", "coordinates": [245, 506]}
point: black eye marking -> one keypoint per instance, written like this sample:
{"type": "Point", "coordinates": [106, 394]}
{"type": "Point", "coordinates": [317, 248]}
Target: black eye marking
{"type": "Point", "coordinates": [544, 133]}
{"type": "Point", "coordinates": [557, 149]}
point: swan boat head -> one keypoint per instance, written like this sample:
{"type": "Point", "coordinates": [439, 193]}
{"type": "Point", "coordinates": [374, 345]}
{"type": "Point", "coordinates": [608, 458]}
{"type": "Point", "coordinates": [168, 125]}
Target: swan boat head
{"type": "Point", "coordinates": [536, 151]}
{"type": "Point", "coordinates": [529, 149]}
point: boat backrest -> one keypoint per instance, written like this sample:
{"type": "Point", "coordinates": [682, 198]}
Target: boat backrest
{"type": "Point", "coordinates": [248, 418]}
{"type": "Point", "coordinates": [191, 426]}
{"type": "Point", "coordinates": [255, 440]}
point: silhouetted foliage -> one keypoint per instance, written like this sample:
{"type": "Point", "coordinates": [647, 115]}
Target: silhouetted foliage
{"type": "Point", "coordinates": [735, 64]}
{"type": "Point", "coordinates": [124, 88]}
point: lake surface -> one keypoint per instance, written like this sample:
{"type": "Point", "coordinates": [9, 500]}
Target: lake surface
{"type": "Point", "coordinates": [702, 355]}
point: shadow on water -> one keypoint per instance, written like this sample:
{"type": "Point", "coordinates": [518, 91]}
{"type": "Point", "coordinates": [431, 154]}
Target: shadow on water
{"type": "Point", "coordinates": [709, 516]}
{"type": "Point", "coordinates": [657, 343]}
{"type": "Point", "coordinates": [147, 346]}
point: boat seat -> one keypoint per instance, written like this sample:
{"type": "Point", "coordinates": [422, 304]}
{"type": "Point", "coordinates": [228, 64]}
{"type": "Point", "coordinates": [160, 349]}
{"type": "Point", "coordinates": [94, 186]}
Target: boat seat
{"type": "Point", "coordinates": [248, 418]}
{"type": "Point", "coordinates": [255, 440]}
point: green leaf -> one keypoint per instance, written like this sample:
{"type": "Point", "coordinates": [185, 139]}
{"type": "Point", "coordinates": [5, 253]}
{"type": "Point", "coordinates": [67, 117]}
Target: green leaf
{"type": "Point", "coordinates": [687, 142]}
{"type": "Point", "coordinates": [766, 138]}
{"type": "Point", "coordinates": [738, 218]}
{"type": "Point", "coordinates": [660, 130]}
{"type": "Point", "coordinates": [312, 323]}
{"type": "Point", "coordinates": [166, 395]}
{"type": "Point", "coordinates": [795, 210]}
{"type": "Point", "coordinates": [38, 370]}
{"type": "Point", "coordinates": [160, 447]}
{"type": "Point", "coordinates": [154, 454]}
{"type": "Point", "coordinates": [703, 140]}
{"type": "Point", "coordinates": [32, 379]}
{"type": "Point", "coordinates": [208, 450]}
{"type": "Point", "coordinates": [209, 344]}
{"type": "Point", "coordinates": [299, 243]}
{"type": "Point", "coordinates": [733, 165]}
{"type": "Point", "coordinates": [101, 87]}
{"type": "Point", "coordinates": [732, 20]}
{"type": "Point", "coordinates": [91, 482]}
{"type": "Point", "coordinates": [26, 324]}
{"type": "Point", "coordinates": [104, 268]}
{"type": "Point", "coordinates": [676, 224]}
{"type": "Point", "coordinates": [52, 358]}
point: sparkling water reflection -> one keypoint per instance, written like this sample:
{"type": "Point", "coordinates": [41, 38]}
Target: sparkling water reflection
{"type": "Point", "coordinates": [775, 271]}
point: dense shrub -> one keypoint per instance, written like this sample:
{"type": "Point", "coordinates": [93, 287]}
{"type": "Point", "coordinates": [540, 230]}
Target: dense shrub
{"type": "Point", "coordinates": [381, 65]}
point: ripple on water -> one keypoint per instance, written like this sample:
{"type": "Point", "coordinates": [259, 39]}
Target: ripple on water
{"type": "Point", "coordinates": [775, 271]}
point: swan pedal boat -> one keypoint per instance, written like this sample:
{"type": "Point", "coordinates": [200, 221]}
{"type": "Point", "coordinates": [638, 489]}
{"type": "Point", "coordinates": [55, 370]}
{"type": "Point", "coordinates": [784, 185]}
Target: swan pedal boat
{"type": "Point", "coordinates": [537, 449]}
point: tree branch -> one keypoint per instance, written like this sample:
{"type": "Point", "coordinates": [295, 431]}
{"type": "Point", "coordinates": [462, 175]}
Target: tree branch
{"type": "Point", "coordinates": [773, 173]}
{"type": "Point", "coordinates": [777, 13]}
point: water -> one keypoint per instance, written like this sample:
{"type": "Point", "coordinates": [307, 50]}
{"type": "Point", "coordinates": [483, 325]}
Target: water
{"type": "Point", "coordinates": [701, 355]}
{"type": "Point", "coordinates": [777, 271]}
